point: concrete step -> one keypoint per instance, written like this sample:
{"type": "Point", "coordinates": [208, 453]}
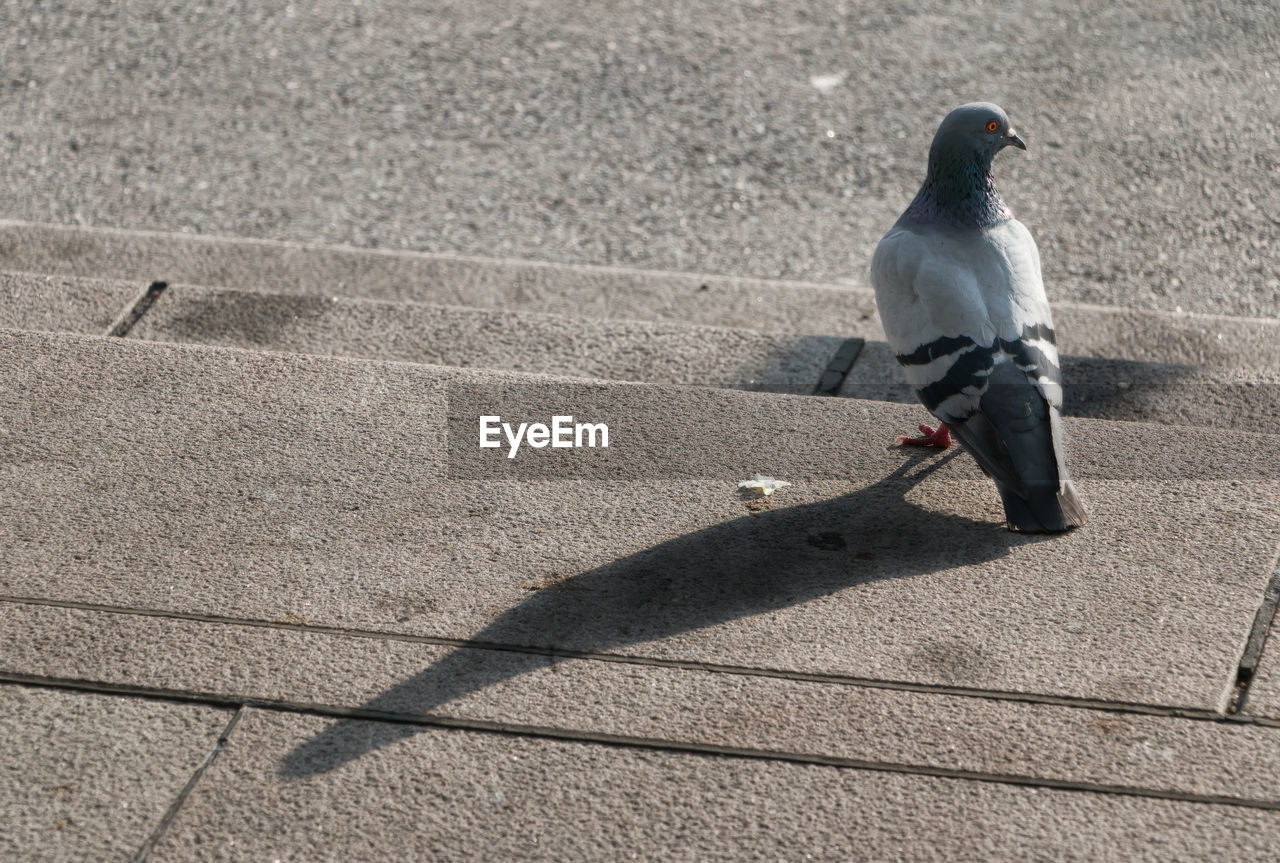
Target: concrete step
{"type": "Point", "coordinates": [660, 352]}
{"type": "Point", "coordinates": [673, 353]}
{"type": "Point", "coordinates": [293, 665]}
{"type": "Point", "coordinates": [340, 271]}
{"type": "Point", "coordinates": [324, 538]}
{"type": "Point", "coordinates": [355, 494]}
{"type": "Point", "coordinates": [1219, 342]}
{"type": "Point", "coordinates": [98, 773]}
{"type": "Point", "coordinates": [492, 796]}
{"type": "Point", "coordinates": [64, 303]}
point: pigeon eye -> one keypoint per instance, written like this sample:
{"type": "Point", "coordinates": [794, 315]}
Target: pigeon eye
{"type": "Point", "coordinates": [992, 126]}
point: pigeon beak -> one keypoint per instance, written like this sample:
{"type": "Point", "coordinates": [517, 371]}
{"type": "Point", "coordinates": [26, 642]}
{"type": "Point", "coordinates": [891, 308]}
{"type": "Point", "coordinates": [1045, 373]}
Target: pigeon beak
{"type": "Point", "coordinates": [1011, 137]}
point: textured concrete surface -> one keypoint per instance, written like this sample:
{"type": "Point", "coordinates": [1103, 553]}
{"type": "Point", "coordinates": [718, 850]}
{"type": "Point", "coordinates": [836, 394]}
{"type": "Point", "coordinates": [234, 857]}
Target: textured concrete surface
{"type": "Point", "coordinates": [202, 480]}
{"type": "Point", "coordinates": [1154, 392]}
{"type": "Point", "coordinates": [1264, 694]}
{"type": "Point", "coordinates": [588, 291]}
{"type": "Point", "coordinates": [758, 141]}
{"type": "Point", "coordinates": [297, 666]}
{"type": "Point", "coordinates": [516, 341]}
{"type": "Point", "coordinates": [1218, 342]}
{"type": "Point", "coordinates": [33, 302]}
{"type": "Point", "coordinates": [89, 777]}
{"type": "Point", "coordinates": [1245, 344]}
{"type": "Point", "coordinates": [461, 795]}
{"type": "Point", "coordinates": [686, 136]}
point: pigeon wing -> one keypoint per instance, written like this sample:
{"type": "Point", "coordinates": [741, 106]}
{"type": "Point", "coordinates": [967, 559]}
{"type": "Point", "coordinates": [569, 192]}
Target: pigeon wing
{"type": "Point", "coordinates": [971, 327]}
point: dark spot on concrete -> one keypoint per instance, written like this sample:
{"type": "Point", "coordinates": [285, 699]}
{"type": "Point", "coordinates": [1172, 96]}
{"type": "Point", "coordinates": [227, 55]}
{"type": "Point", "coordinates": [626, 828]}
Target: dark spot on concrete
{"type": "Point", "coordinates": [827, 541]}
{"type": "Point", "coordinates": [952, 660]}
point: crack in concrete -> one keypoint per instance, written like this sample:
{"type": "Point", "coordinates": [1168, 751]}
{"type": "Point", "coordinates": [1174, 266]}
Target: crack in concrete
{"type": "Point", "coordinates": [144, 852]}
{"type": "Point", "coordinates": [1255, 643]}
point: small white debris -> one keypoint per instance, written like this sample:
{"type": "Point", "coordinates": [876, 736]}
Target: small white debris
{"type": "Point", "coordinates": [824, 84]}
{"type": "Point", "coordinates": [766, 485]}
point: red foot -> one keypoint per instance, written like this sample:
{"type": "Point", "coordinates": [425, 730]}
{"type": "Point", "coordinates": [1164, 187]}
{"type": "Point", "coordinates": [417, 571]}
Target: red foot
{"type": "Point", "coordinates": [940, 437]}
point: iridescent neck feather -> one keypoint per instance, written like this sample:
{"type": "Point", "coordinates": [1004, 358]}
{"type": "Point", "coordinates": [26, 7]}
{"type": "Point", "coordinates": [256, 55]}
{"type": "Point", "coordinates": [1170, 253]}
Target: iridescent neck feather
{"type": "Point", "coordinates": [958, 192]}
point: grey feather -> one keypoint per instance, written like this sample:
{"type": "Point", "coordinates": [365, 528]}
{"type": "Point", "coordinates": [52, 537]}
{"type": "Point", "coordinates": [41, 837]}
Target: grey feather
{"type": "Point", "coordinates": [1015, 438]}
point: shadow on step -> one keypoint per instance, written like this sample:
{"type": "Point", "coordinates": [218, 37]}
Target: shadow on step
{"type": "Point", "coordinates": [1129, 390]}
{"type": "Point", "coordinates": [668, 352]}
{"type": "Point", "coordinates": [737, 569]}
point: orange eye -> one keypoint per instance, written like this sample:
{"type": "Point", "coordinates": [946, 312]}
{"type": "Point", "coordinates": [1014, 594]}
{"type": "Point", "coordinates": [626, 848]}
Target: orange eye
{"type": "Point", "coordinates": [992, 126]}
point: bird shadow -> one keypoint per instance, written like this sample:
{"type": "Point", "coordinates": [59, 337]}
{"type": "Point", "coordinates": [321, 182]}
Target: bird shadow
{"type": "Point", "coordinates": [748, 566]}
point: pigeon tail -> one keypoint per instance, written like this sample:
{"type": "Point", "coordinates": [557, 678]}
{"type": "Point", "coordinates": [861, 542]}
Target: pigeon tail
{"type": "Point", "coordinates": [1016, 438]}
{"type": "Point", "coordinates": [1046, 509]}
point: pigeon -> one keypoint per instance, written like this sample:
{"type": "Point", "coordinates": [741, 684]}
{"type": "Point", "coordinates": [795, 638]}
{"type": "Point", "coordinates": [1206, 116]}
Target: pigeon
{"type": "Point", "coordinates": [958, 286]}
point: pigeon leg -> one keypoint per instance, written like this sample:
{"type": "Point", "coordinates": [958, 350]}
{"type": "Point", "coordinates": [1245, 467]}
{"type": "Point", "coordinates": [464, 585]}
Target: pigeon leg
{"type": "Point", "coordinates": [939, 437]}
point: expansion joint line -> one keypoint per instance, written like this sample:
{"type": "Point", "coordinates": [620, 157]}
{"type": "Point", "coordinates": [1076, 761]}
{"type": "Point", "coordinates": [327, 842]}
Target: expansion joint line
{"type": "Point", "coordinates": [1256, 642]}
{"type": "Point", "coordinates": [561, 653]}
{"type": "Point", "coordinates": [836, 371]}
{"type": "Point", "coordinates": [572, 735]}
{"type": "Point", "coordinates": [134, 313]}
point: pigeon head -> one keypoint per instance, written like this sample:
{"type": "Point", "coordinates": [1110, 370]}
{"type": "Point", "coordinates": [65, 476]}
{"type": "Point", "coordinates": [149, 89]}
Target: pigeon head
{"type": "Point", "coordinates": [958, 190]}
{"type": "Point", "coordinates": [979, 127]}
